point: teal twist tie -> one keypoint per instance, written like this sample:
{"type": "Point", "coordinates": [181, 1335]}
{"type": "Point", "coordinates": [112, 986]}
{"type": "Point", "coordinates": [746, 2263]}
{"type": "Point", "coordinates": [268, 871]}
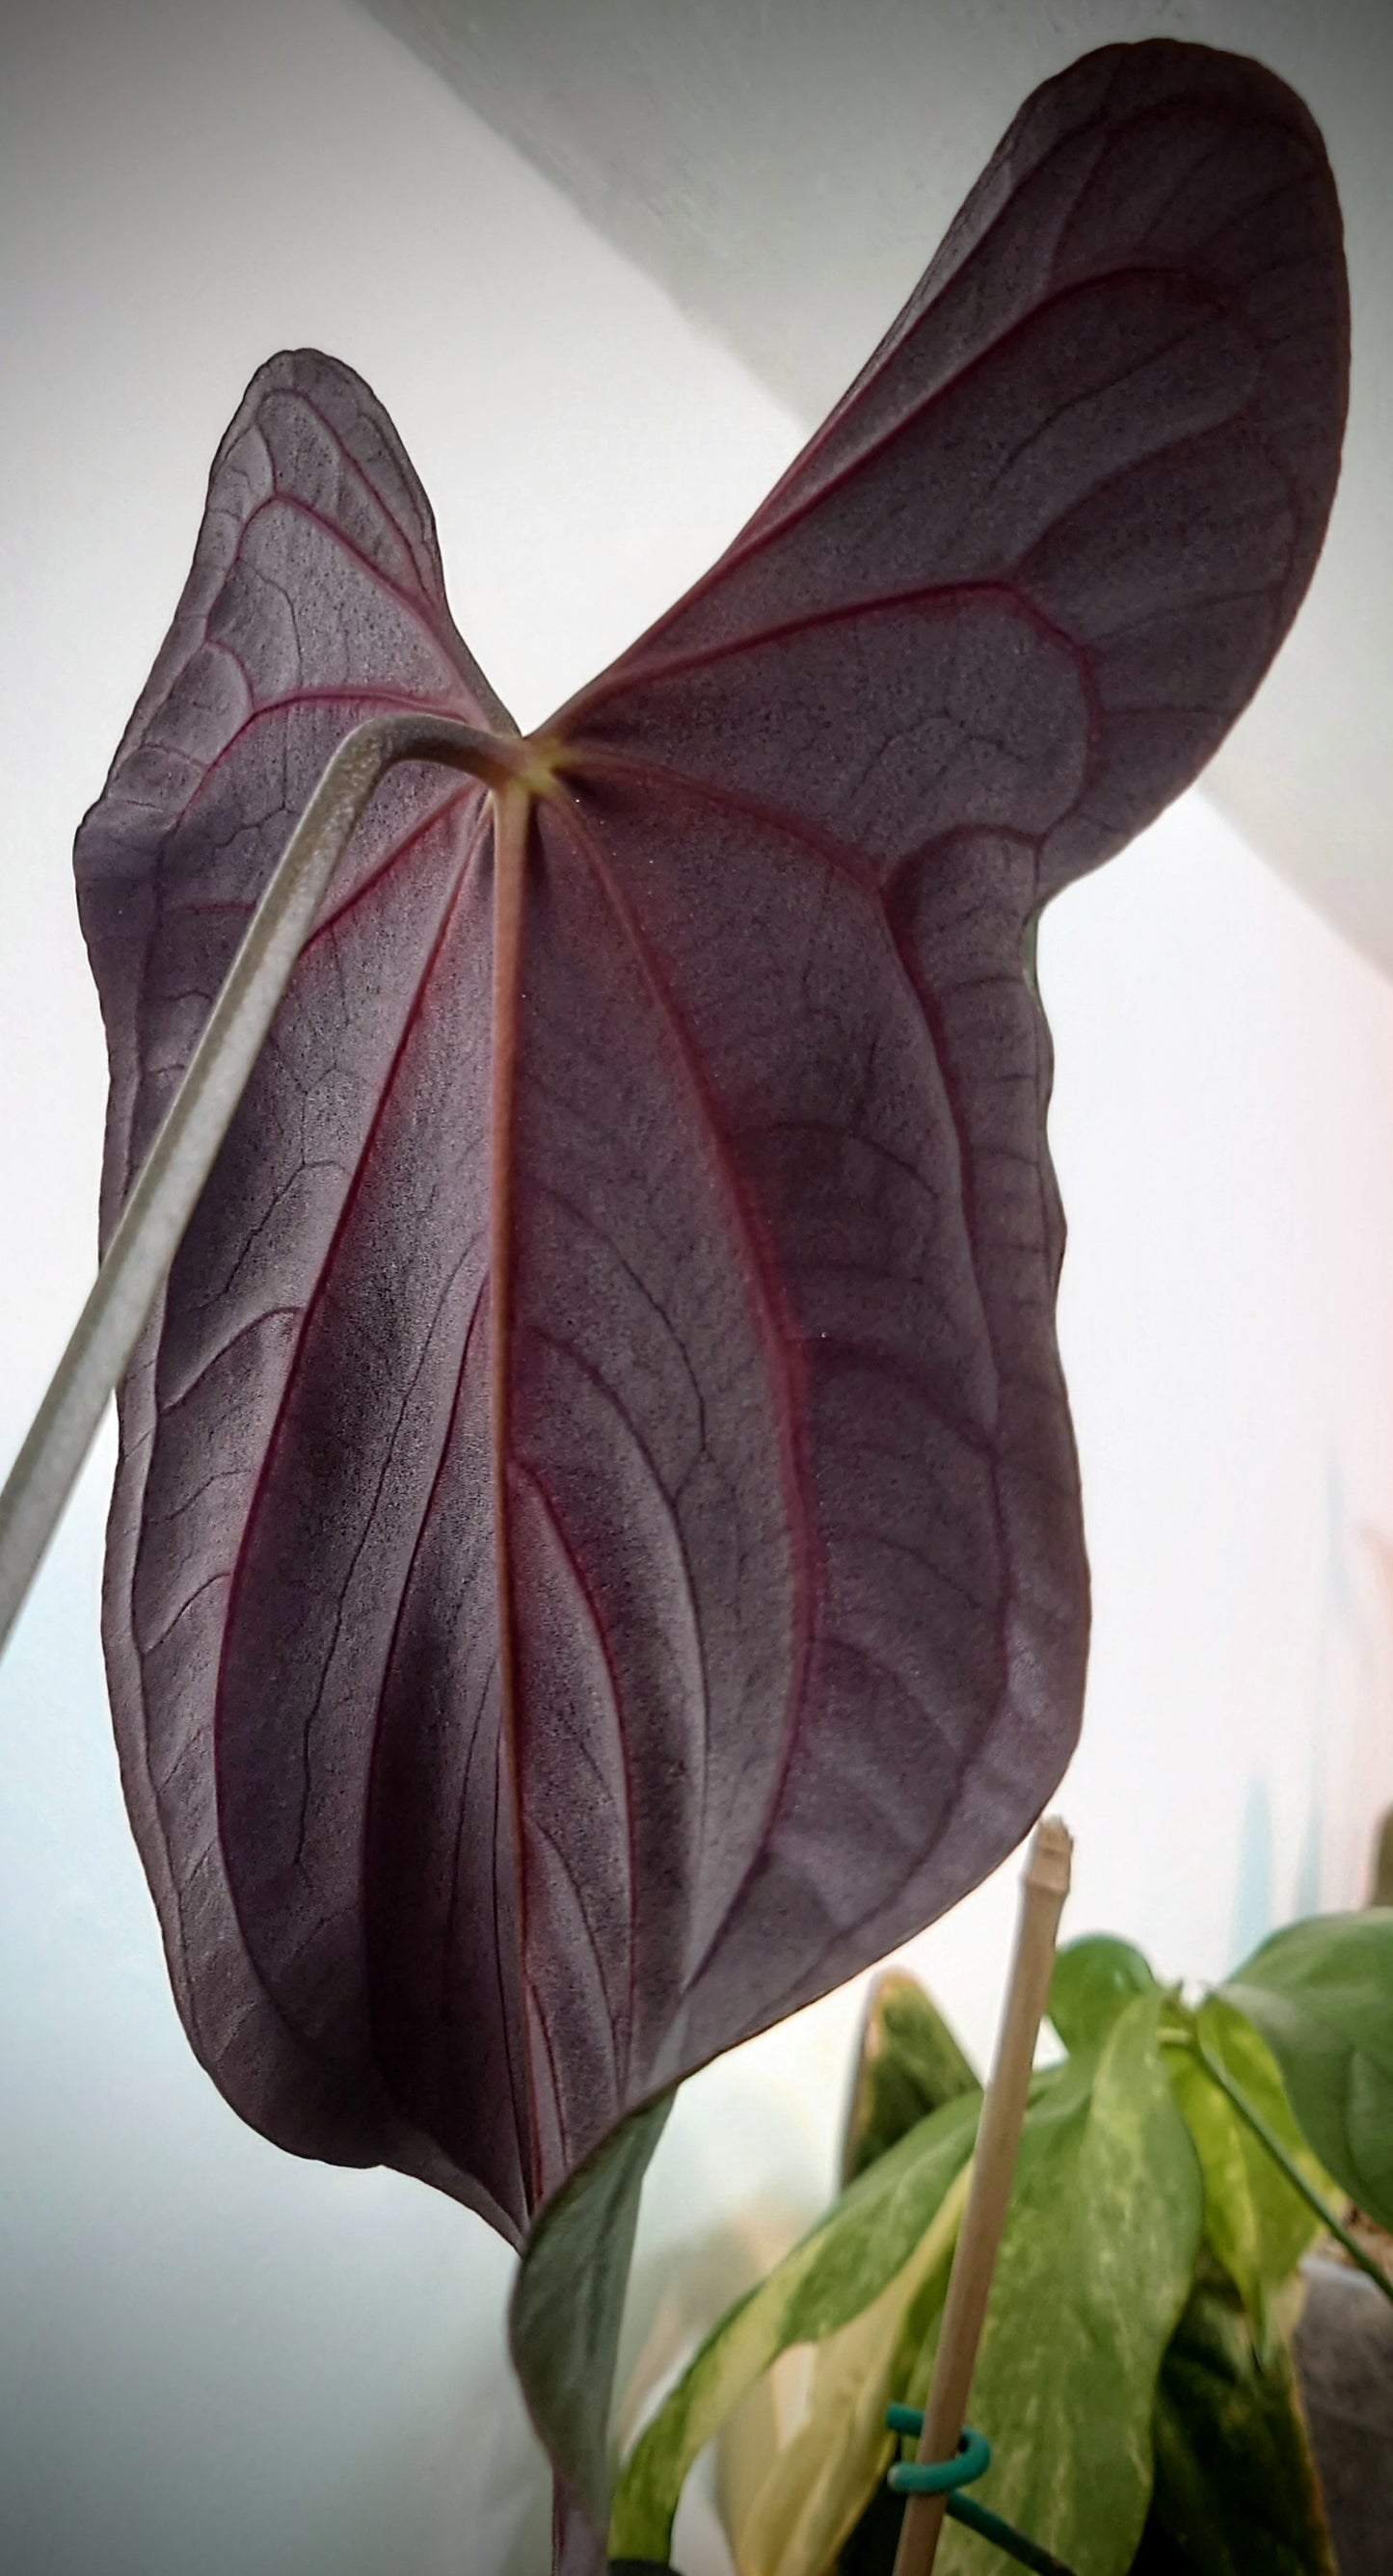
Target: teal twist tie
{"type": "Point", "coordinates": [944, 2477]}
{"type": "Point", "coordinates": [936, 2477]}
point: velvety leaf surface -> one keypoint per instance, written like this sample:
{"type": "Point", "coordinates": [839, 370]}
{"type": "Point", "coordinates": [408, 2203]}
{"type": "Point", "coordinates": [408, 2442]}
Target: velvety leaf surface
{"type": "Point", "coordinates": [596, 1554]}
{"type": "Point", "coordinates": [278, 1427]}
{"type": "Point", "coordinates": [1236, 2488]}
{"type": "Point", "coordinates": [1321, 1993]}
{"type": "Point", "coordinates": [910, 2064]}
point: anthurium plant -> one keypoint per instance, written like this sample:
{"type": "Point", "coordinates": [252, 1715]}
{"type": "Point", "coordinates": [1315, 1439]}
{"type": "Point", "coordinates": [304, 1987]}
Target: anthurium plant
{"type": "Point", "coordinates": [1136, 2377]}
{"type": "Point", "coordinates": [596, 1555]}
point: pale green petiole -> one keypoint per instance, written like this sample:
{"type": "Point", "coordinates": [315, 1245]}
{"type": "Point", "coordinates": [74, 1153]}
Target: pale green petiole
{"type": "Point", "coordinates": [1266, 2137]}
{"type": "Point", "coordinates": [167, 1191]}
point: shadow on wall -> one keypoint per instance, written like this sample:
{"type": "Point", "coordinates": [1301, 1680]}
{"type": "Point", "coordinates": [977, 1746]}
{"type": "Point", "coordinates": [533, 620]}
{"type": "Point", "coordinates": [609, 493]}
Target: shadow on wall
{"type": "Point", "coordinates": [1253, 1916]}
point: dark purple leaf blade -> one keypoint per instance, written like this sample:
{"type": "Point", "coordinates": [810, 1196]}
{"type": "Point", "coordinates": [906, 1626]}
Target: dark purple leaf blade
{"type": "Point", "coordinates": [315, 600]}
{"type": "Point", "coordinates": [591, 1568]}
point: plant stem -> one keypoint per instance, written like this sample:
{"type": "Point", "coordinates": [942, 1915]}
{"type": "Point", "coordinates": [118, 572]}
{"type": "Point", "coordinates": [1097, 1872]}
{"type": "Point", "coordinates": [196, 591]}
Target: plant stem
{"type": "Point", "coordinates": [171, 1180]}
{"type": "Point", "coordinates": [1268, 2138]}
{"type": "Point", "coordinates": [1005, 2537]}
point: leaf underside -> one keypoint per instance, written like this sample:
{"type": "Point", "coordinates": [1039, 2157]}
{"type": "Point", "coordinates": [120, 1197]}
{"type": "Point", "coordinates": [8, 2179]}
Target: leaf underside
{"type": "Point", "coordinates": [869, 2252]}
{"type": "Point", "coordinates": [596, 1554]}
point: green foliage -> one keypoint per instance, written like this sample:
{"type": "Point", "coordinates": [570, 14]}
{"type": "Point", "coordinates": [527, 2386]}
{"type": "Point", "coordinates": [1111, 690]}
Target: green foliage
{"type": "Point", "coordinates": [1094, 1981]}
{"type": "Point", "coordinates": [1255, 2222]}
{"type": "Point", "coordinates": [1236, 2488]}
{"type": "Point", "coordinates": [876, 2228]}
{"type": "Point", "coordinates": [910, 2065]}
{"type": "Point", "coordinates": [568, 2303]}
{"type": "Point", "coordinates": [1321, 1993]}
{"type": "Point", "coordinates": [1135, 2376]}
{"type": "Point", "coordinates": [816, 2485]}
{"type": "Point", "coordinates": [1094, 2269]}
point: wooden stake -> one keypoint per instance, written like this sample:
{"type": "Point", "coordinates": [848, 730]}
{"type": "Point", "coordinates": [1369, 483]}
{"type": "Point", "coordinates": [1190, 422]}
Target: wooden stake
{"type": "Point", "coordinates": [1043, 1890]}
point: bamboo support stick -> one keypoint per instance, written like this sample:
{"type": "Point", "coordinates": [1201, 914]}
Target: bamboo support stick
{"type": "Point", "coordinates": [1043, 1890]}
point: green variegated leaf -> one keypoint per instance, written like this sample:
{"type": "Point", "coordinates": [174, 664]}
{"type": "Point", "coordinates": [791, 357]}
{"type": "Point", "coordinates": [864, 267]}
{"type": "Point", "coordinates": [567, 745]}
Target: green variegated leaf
{"type": "Point", "coordinates": [1255, 2221]}
{"type": "Point", "coordinates": [568, 2304]}
{"type": "Point", "coordinates": [910, 2064]}
{"type": "Point", "coordinates": [1094, 2270]}
{"type": "Point", "coordinates": [873, 2231]}
{"type": "Point", "coordinates": [819, 2484]}
{"type": "Point", "coordinates": [1094, 1980]}
{"type": "Point", "coordinates": [1236, 2488]}
{"type": "Point", "coordinates": [1321, 1993]}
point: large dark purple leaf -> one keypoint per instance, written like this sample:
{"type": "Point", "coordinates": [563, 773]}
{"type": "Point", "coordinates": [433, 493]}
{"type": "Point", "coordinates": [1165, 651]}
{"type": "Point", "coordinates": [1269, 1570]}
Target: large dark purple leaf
{"type": "Point", "coordinates": [596, 1555]}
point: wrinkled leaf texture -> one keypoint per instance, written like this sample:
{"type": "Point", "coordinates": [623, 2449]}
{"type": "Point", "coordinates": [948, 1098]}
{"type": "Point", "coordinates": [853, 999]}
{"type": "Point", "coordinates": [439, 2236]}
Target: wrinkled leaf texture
{"type": "Point", "coordinates": [591, 1568]}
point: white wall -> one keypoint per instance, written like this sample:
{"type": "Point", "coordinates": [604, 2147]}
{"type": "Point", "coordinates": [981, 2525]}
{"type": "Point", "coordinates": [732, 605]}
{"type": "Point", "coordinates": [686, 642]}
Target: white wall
{"type": "Point", "coordinates": [780, 169]}
{"type": "Point", "coordinates": [214, 2357]}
